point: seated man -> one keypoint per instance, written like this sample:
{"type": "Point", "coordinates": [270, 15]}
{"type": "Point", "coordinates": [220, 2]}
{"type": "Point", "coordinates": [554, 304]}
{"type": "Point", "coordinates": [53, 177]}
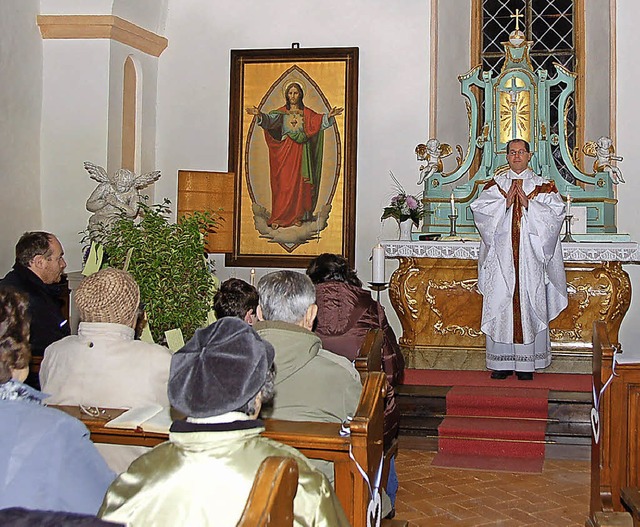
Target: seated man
{"type": "Point", "coordinates": [37, 273]}
{"type": "Point", "coordinates": [204, 473]}
{"type": "Point", "coordinates": [236, 298]}
{"type": "Point", "coordinates": [311, 384]}
{"type": "Point", "coordinates": [103, 365]}
{"type": "Point", "coordinates": [47, 460]}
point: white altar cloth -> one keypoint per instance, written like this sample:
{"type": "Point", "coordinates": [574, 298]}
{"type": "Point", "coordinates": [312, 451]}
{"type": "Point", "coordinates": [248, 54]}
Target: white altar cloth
{"type": "Point", "coordinates": [625, 252]}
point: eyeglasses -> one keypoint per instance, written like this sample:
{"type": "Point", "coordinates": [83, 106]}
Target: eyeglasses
{"type": "Point", "coordinates": [517, 153]}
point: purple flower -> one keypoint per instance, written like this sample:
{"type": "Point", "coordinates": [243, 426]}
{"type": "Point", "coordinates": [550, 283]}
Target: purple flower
{"type": "Point", "coordinates": [412, 202]}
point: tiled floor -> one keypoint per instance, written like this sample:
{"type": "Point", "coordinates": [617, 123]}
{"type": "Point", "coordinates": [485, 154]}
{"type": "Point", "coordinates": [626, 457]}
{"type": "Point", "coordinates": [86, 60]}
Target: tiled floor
{"type": "Point", "coordinates": [433, 497]}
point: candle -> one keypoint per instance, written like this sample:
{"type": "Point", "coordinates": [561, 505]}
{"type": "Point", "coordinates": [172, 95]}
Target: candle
{"type": "Point", "coordinates": [377, 262]}
{"type": "Point", "coordinates": [568, 204]}
{"type": "Point", "coordinates": [252, 277]}
{"type": "Point", "coordinates": [453, 205]}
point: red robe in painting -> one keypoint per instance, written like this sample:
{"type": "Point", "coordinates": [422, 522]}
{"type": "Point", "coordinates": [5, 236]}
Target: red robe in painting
{"type": "Point", "coordinates": [295, 145]}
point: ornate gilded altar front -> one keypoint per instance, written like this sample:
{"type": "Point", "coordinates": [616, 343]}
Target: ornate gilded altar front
{"type": "Point", "coordinates": [434, 292]}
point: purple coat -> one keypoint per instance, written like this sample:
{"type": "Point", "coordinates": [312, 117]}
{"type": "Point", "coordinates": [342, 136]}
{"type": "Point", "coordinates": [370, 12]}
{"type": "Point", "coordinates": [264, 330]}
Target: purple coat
{"type": "Point", "coordinates": [345, 314]}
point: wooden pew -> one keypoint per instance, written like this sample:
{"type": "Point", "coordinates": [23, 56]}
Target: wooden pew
{"type": "Point", "coordinates": [270, 502]}
{"type": "Point", "coordinates": [323, 441]}
{"type": "Point", "coordinates": [615, 458]}
{"type": "Point", "coordinates": [370, 354]}
{"type": "Point", "coordinates": [369, 359]}
{"type": "Point", "coordinates": [315, 440]}
{"type": "Point", "coordinates": [631, 498]}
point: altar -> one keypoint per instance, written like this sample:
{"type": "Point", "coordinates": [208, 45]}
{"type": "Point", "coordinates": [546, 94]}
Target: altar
{"type": "Point", "coordinates": [435, 289]}
{"type": "Point", "coordinates": [434, 292]}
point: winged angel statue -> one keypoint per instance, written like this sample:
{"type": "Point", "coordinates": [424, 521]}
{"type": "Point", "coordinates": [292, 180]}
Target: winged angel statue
{"type": "Point", "coordinates": [433, 153]}
{"type": "Point", "coordinates": [603, 151]}
{"type": "Point", "coordinates": [114, 197]}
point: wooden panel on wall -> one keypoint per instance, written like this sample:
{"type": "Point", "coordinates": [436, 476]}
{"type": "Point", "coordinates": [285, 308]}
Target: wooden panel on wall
{"type": "Point", "coordinates": [199, 191]}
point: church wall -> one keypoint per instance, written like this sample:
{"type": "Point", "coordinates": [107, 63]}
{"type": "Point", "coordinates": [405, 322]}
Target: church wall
{"type": "Point", "coordinates": [82, 115]}
{"type": "Point", "coordinates": [146, 72]}
{"type": "Point", "coordinates": [75, 83]}
{"type": "Point", "coordinates": [454, 58]}
{"type": "Point", "coordinates": [598, 64]}
{"type": "Point", "coordinates": [20, 105]}
{"type": "Point", "coordinates": [193, 91]}
{"type": "Point", "coordinates": [628, 139]}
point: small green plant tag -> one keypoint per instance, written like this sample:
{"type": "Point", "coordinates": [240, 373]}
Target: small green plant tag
{"type": "Point", "coordinates": [94, 260]}
{"type": "Point", "coordinates": [175, 340]}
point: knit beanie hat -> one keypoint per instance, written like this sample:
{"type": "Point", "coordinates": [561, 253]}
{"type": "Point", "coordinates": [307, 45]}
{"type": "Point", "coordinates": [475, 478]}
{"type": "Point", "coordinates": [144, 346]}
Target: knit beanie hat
{"type": "Point", "coordinates": [110, 295]}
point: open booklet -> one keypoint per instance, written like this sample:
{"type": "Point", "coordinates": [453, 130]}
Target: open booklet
{"type": "Point", "coordinates": [152, 418]}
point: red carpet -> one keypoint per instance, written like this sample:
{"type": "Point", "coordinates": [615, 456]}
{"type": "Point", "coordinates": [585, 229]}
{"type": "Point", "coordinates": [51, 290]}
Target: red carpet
{"type": "Point", "coordinates": [493, 429]}
{"type": "Point", "coordinates": [564, 382]}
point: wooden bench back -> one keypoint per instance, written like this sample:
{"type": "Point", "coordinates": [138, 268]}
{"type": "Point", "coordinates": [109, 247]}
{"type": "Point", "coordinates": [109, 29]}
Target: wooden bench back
{"type": "Point", "coordinates": [605, 508]}
{"type": "Point", "coordinates": [600, 498]}
{"type": "Point", "coordinates": [270, 502]}
{"type": "Point", "coordinates": [365, 443]}
{"type": "Point", "coordinates": [370, 354]}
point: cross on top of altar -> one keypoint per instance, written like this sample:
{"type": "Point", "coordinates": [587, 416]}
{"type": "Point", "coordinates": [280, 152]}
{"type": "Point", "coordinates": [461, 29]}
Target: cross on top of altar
{"type": "Point", "coordinates": [517, 105]}
{"type": "Point", "coordinates": [517, 15]}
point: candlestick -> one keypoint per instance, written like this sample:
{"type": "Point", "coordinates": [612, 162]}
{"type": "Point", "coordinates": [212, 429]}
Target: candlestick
{"type": "Point", "coordinates": [453, 205]}
{"type": "Point", "coordinates": [567, 236]}
{"type": "Point", "coordinates": [452, 221]}
{"type": "Point", "coordinates": [377, 264]}
{"type": "Point", "coordinates": [252, 277]}
{"type": "Point", "coordinates": [568, 204]}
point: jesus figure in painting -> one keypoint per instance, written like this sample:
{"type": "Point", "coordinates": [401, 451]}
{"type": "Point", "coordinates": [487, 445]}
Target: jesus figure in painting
{"type": "Point", "coordinates": [294, 137]}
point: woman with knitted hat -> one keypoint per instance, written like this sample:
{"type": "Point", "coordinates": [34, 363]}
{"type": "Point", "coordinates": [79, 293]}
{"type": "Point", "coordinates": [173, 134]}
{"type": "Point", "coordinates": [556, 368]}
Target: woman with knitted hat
{"type": "Point", "coordinates": [103, 365]}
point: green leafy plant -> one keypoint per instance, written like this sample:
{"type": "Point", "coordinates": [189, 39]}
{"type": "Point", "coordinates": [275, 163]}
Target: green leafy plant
{"type": "Point", "coordinates": [168, 263]}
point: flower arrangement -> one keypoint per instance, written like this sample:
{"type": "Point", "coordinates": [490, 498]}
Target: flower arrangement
{"type": "Point", "coordinates": [403, 206]}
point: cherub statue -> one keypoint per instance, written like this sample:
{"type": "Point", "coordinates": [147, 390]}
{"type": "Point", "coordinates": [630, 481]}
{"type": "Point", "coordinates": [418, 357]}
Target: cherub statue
{"type": "Point", "coordinates": [603, 151]}
{"type": "Point", "coordinates": [114, 197]}
{"type": "Point", "coordinates": [433, 153]}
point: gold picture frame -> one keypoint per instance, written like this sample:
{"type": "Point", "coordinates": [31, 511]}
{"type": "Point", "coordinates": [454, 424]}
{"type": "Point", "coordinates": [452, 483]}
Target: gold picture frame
{"type": "Point", "coordinates": [292, 145]}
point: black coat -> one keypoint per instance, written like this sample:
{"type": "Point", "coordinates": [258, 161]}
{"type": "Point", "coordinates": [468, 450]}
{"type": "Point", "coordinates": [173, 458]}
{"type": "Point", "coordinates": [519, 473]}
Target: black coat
{"type": "Point", "coordinates": [48, 324]}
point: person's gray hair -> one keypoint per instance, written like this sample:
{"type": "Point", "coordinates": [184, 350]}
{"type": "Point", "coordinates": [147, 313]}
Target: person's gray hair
{"type": "Point", "coordinates": [286, 296]}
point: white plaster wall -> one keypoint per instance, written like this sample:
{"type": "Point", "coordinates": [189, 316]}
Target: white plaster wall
{"type": "Point", "coordinates": [146, 72]}
{"type": "Point", "coordinates": [454, 59]}
{"type": "Point", "coordinates": [82, 113]}
{"type": "Point", "coordinates": [76, 7]}
{"type": "Point", "coordinates": [628, 112]}
{"type": "Point", "coordinates": [193, 91]}
{"type": "Point", "coordinates": [75, 81]}
{"type": "Point", "coordinates": [597, 81]}
{"type": "Point", "coordinates": [20, 103]}
{"type": "Point", "coordinates": [149, 14]}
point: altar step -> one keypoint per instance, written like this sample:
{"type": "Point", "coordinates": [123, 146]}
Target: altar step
{"type": "Point", "coordinates": [563, 361]}
{"type": "Point", "coordinates": [567, 434]}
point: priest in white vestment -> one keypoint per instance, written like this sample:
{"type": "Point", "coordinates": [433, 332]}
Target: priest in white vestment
{"type": "Point", "coordinates": [520, 268]}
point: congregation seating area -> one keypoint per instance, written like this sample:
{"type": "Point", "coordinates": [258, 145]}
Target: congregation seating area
{"type": "Point", "coordinates": [358, 451]}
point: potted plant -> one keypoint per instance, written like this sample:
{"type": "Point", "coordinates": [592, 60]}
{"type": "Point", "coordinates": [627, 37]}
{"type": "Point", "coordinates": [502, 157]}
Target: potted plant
{"type": "Point", "coordinates": [168, 261]}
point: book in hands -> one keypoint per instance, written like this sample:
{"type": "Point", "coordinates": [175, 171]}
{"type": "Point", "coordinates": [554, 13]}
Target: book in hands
{"type": "Point", "coordinates": [152, 418]}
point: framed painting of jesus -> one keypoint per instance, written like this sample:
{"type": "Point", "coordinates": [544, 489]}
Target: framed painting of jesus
{"type": "Point", "coordinates": [292, 144]}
